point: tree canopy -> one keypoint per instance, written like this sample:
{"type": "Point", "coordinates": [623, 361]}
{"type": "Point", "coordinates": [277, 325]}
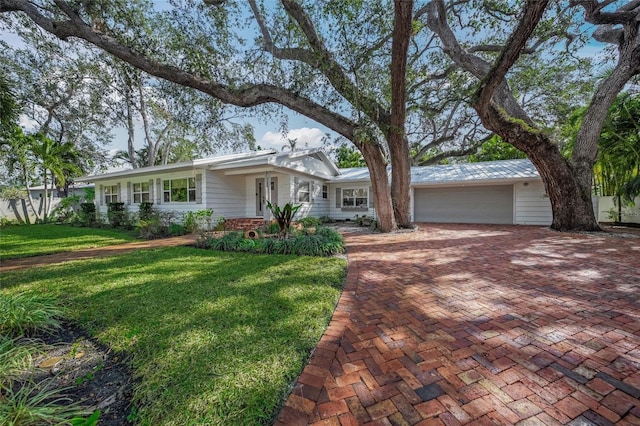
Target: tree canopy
{"type": "Point", "coordinates": [459, 72]}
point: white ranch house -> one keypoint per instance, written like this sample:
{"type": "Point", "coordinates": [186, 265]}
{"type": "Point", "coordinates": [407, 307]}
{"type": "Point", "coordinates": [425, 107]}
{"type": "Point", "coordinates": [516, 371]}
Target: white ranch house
{"type": "Point", "coordinates": [236, 187]}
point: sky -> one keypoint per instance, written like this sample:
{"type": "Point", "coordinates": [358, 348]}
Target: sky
{"type": "Point", "coordinates": [308, 133]}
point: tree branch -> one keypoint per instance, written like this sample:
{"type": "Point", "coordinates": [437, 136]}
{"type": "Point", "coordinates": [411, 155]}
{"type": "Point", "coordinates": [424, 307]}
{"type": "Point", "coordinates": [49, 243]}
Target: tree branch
{"type": "Point", "coordinates": [247, 96]}
{"type": "Point", "coordinates": [517, 40]}
{"type": "Point", "coordinates": [332, 70]}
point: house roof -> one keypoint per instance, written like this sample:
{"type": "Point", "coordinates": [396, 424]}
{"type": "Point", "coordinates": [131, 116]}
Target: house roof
{"type": "Point", "coordinates": [504, 170]}
{"type": "Point", "coordinates": [310, 161]}
{"type": "Point", "coordinates": [316, 162]}
{"type": "Point", "coordinates": [200, 163]}
{"type": "Point", "coordinates": [488, 171]}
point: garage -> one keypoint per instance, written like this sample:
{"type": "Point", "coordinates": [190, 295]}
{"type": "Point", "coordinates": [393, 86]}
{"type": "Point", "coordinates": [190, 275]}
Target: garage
{"type": "Point", "coordinates": [465, 204]}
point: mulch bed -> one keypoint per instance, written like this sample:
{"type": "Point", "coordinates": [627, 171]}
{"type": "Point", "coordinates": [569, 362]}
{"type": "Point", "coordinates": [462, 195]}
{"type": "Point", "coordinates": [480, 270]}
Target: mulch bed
{"type": "Point", "coordinates": [90, 373]}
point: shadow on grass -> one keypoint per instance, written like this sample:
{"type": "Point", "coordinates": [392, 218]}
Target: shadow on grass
{"type": "Point", "coordinates": [215, 338]}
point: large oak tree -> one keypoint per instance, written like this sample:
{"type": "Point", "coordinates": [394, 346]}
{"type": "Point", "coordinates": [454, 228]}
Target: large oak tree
{"type": "Point", "coordinates": [568, 181]}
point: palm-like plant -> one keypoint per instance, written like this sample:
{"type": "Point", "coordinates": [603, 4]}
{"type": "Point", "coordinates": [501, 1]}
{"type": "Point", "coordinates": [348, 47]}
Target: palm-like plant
{"type": "Point", "coordinates": [283, 216]}
{"type": "Point", "coordinates": [36, 154]}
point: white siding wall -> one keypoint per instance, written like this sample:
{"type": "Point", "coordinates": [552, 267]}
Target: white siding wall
{"type": "Point", "coordinates": [532, 206]}
{"type": "Point", "coordinates": [224, 194]}
{"type": "Point", "coordinates": [126, 195]}
{"type": "Point", "coordinates": [340, 214]}
{"type": "Point", "coordinates": [317, 206]}
{"type": "Point", "coordinates": [284, 191]}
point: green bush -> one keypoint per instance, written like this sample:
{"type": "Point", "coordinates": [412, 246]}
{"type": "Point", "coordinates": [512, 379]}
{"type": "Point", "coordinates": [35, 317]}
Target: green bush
{"type": "Point", "coordinates": [37, 404]}
{"type": "Point", "coordinates": [146, 210]}
{"type": "Point", "coordinates": [66, 211]}
{"type": "Point", "coordinates": [325, 242]}
{"type": "Point", "coordinates": [87, 215]}
{"type": "Point", "coordinates": [175, 229]}
{"type": "Point", "coordinates": [273, 228]}
{"type": "Point", "coordinates": [309, 221]}
{"type": "Point", "coordinates": [198, 221]}
{"type": "Point", "coordinates": [14, 357]}
{"type": "Point", "coordinates": [117, 215]}
{"type": "Point", "coordinates": [158, 225]}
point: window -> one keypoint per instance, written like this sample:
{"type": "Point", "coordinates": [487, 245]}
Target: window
{"type": "Point", "coordinates": [179, 190]}
{"type": "Point", "coordinates": [140, 192]}
{"type": "Point", "coordinates": [325, 192]}
{"type": "Point", "coordinates": [355, 198]}
{"type": "Point", "coordinates": [111, 194]}
{"type": "Point", "coordinates": [303, 192]}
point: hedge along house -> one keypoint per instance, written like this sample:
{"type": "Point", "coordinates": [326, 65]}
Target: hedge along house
{"type": "Point", "coordinates": [238, 186]}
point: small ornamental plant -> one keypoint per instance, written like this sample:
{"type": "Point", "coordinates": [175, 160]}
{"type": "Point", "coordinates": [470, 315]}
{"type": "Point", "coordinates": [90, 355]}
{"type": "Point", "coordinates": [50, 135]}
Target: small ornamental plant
{"type": "Point", "coordinates": [284, 216]}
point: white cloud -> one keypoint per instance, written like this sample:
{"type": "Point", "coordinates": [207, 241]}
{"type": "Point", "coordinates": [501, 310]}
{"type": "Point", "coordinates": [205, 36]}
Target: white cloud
{"type": "Point", "coordinates": [305, 138]}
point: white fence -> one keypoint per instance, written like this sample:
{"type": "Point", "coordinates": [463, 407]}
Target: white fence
{"type": "Point", "coordinates": [629, 214]}
{"type": "Point", "coordinates": [13, 209]}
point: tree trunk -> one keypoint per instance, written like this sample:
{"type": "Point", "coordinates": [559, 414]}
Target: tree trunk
{"type": "Point", "coordinates": [398, 144]}
{"type": "Point", "coordinates": [130, 128]}
{"type": "Point", "coordinates": [13, 205]}
{"type": "Point", "coordinates": [377, 165]}
{"type": "Point", "coordinates": [570, 201]}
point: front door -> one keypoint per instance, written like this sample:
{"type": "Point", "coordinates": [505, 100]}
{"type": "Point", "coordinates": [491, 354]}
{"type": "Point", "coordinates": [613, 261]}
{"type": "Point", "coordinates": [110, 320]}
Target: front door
{"type": "Point", "coordinates": [261, 194]}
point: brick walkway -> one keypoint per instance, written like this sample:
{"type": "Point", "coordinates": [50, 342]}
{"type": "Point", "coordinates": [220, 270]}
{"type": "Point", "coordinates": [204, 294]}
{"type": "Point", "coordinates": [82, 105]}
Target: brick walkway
{"type": "Point", "coordinates": [459, 324]}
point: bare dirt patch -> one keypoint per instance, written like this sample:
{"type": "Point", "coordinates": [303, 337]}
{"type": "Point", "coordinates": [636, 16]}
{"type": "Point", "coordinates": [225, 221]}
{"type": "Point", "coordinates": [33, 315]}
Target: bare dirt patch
{"type": "Point", "coordinates": [90, 373]}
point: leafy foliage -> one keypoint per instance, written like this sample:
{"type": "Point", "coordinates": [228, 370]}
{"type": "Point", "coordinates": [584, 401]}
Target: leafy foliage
{"type": "Point", "coordinates": [324, 242]}
{"type": "Point", "coordinates": [35, 404]}
{"type": "Point", "coordinates": [309, 221]}
{"type": "Point", "coordinates": [284, 216]}
{"type": "Point", "coordinates": [496, 149]}
{"type": "Point", "coordinates": [26, 314]}
{"type": "Point", "coordinates": [347, 157]}
{"type": "Point", "coordinates": [198, 221]}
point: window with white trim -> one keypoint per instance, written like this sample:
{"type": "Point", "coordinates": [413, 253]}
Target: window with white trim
{"type": "Point", "coordinates": [179, 190]}
{"type": "Point", "coordinates": [325, 192]}
{"type": "Point", "coordinates": [355, 198]}
{"type": "Point", "coordinates": [303, 191]}
{"type": "Point", "coordinates": [111, 194]}
{"type": "Point", "coordinates": [140, 192]}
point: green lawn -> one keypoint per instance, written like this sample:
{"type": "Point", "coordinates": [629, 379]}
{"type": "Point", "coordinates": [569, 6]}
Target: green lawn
{"type": "Point", "coordinates": [213, 337]}
{"type": "Point", "coordinates": [36, 240]}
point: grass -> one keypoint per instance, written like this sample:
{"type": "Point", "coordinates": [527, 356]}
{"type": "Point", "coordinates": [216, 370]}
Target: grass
{"type": "Point", "coordinates": [35, 404]}
{"type": "Point", "coordinates": [213, 337]}
{"type": "Point", "coordinates": [24, 314]}
{"type": "Point", "coordinates": [36, 240]}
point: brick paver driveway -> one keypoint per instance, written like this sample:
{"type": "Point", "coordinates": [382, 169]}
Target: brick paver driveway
{"type": "Point", "coordinates": [458, 324]}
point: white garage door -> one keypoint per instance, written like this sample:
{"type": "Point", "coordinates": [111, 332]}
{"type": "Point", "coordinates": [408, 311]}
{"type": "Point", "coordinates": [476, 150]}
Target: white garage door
{"type": "Point", "coordinates": [469, 204]}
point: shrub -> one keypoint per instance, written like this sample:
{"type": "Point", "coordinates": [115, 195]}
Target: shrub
{"type": "Point", "coordinates": [309, 221]}
{"type": "Point", "coordinates": [66, 211]}
{"type": "Point", "coordinates": [175, 229]}
{"type": "Point", "coordinates": [324, 242]}
{"type": "Point", "coordinates": [283, 216]}
{"type": "Point", "coordinates": [116, 214]}
{"type": "Point", "coordinates": [198, 221]}
{"type": "Point", "coordinates": [87, 215]}
{"type": "Point", "coordinates": [158, 225]}
{"type": "Point", "coordinates": [146, 210]}
{"type": "Point", "coordinates": [273, 228]}
{"type": "Point", "coordinates": [25, 314]}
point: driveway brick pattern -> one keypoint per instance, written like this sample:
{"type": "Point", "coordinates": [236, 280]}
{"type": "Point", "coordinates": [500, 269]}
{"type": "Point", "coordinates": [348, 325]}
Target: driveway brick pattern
{"type": "Point", "coordinates": [472, 324]}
